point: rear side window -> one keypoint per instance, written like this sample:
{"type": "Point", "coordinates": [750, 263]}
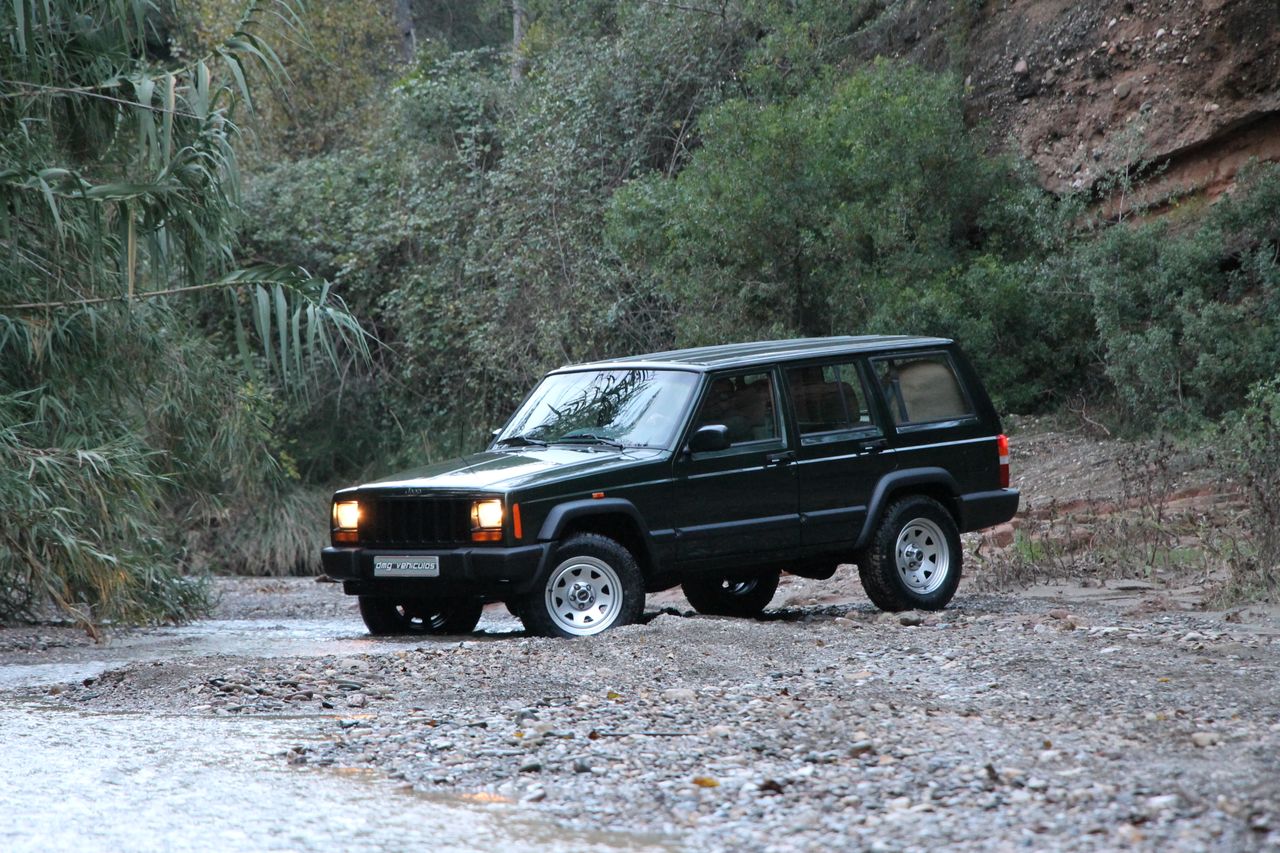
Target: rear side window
{"type": "Point", "coordinates": [828, 398]}
{"type": "Point", "coordinates": [922, 389]}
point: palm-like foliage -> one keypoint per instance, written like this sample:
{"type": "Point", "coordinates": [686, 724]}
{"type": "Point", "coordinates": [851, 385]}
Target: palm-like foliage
{"type": "Point", "coordinates": [133, 358]}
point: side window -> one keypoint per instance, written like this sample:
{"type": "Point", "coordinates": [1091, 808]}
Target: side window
{"type": "Point", "coordinates": [745, 404]}
{"type": "Point", "coordinates": [828, 398]}
{"type": "Point", "coordinates": [922, 389]}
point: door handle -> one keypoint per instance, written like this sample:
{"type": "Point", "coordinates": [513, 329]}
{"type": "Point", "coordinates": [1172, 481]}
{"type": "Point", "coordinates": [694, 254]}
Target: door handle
{"type": "Point", "coordinates": [872, 445]}
{"type": "Point", "coordinates": [775, 460]}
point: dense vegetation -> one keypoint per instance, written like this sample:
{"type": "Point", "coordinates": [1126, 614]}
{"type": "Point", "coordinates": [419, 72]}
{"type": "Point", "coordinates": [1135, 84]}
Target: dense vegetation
{"type": "Point", "coordinates": [638, 175]}
{"type": "Point", "coordinates": [135, 413]}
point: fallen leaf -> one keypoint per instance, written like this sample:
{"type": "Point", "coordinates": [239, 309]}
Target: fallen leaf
{"type": "Point", "coordinates": [705, 782]}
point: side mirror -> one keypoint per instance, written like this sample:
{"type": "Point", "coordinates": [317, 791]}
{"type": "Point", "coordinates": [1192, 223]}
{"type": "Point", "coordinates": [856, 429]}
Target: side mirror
{"type": "Point", "coordinates": [709, 438]}
{"type": "Point", "coordinates": [493, 434]}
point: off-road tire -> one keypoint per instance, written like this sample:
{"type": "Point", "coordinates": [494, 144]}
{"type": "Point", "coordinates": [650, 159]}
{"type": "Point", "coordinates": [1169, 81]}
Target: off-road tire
{"type": "Point", "coordinates": [744, 596]}
{"type": "Point", "coordinates": [897, 581]}
{"type": "Point", "coordinates": [385, 616]}
{"type": "Point", "coordinates": [604, 578]}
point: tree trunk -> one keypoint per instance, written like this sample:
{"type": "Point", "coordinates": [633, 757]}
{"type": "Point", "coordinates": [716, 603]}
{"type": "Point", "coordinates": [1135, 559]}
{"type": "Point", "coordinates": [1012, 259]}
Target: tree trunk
{"type": "Point", "coordinates": [404, 26]}
{"type": "Point", "coordinates": [519, 20]}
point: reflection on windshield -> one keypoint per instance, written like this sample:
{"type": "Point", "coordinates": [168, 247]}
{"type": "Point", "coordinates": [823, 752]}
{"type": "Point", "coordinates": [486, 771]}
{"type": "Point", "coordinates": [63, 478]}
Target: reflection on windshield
{"type": "Point", "coordinates": [624, 408]}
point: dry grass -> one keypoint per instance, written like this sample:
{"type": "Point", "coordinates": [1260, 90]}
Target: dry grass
{"type": "Point", "coordinates": [1164, 514]}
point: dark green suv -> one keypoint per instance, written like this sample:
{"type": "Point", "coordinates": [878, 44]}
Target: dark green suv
{"type": "Point", "coordinates": [715, 469]}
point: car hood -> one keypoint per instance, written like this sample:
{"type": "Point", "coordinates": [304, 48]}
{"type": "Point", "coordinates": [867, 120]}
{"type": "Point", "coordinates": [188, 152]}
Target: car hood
{"type": "Point", "coordinates": [509, 469]}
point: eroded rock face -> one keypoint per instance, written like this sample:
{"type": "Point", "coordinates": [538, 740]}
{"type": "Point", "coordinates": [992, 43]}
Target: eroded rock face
{"type": "Point", "coordinates": [1083, 89]}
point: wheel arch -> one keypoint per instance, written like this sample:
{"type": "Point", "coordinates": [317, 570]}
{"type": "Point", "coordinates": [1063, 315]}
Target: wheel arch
{"type": "Point", "coordinates": [936, 483]}
{"type": "Point", "coordinates": [615, 518]}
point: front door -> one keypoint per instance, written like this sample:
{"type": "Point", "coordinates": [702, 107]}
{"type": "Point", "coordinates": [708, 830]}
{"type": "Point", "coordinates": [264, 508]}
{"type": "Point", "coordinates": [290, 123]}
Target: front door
{"type": "Point", "coordinates": [738, 504]}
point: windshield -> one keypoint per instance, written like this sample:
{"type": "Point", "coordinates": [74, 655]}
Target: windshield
{"type": "Point", "coordinates": [627, 408]}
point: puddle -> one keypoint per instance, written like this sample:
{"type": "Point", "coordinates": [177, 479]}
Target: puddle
{"type": "Point", "coordinates": [79, 781]}
{"type": "Point", "coordinates": [140, 782]}
{"type": "Point", "coordinates": [258, 638]}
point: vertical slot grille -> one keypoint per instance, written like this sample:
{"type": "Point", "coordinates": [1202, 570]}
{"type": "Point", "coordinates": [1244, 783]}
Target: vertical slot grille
{"type": "Point", "coordinates": [415, 522]}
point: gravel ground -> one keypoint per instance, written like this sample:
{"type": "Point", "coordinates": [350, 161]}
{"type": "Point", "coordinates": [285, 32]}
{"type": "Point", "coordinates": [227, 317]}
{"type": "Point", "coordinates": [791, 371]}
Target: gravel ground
{"type": "Point", "coordinates": [1002, 722]}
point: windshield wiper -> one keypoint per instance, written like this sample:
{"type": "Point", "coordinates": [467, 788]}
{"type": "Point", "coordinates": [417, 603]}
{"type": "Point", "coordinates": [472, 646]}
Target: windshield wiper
{"type": "Point", "coordinates": [522, 439]}
{"type": "Point", "coordinates": [590, 438]}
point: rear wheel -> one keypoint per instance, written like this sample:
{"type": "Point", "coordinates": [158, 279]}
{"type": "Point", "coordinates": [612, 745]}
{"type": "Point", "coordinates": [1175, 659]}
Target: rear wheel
{"type": "Point", "coordinates": [745, 595]}
{"type": "Point", "coordinates": [387, 616]}
{"type": "Point", "coordinates": [594, 585]}
{"type": "Point", "coordinates": [913, 561]}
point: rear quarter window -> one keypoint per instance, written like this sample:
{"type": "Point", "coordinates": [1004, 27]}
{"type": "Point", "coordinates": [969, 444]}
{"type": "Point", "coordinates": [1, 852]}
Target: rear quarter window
{"type": "Point", "coordinates": [922, 389]}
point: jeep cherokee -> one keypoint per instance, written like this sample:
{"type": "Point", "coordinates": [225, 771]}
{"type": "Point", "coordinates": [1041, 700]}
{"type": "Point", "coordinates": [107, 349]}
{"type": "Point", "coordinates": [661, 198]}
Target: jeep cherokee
{"type": "Point", "coordinates": [714, 469]}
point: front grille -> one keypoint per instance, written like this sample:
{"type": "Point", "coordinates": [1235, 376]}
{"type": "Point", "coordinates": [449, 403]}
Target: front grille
{"type": "Point", "coordinates": [414, 522]}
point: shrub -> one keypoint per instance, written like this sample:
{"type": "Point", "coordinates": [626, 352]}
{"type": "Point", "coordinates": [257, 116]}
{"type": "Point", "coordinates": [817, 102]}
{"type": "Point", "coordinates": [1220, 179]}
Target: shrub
{"type": "Point", "coordinates": [1252, 440]}
{"type": "Point", "coordinates": [862, 206]}
{"type": "Point", "coordinates": [1189, 320]}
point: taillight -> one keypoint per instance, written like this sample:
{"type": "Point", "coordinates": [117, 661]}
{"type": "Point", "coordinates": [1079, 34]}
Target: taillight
{"type": "Point", "coordinates": [1002, 447]}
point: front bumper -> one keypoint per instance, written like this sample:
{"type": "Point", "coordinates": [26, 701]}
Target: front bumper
{"type": "Point", "coordinates": [496, 573]}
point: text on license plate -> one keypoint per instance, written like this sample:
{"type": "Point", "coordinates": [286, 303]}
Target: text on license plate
{"type": "Point", "coordinates": [406, 567]}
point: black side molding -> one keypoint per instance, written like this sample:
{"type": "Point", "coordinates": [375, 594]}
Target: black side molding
{"type": "Point", "coordinates": [562, 514]}
{"type": "Point", "coordinates": [980, 510]}
{"type": "Point", "coordinates": [896, 480]}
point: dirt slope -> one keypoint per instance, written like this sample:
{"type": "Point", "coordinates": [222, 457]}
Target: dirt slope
{"type": "Point", "coordinates": [1081, 89]}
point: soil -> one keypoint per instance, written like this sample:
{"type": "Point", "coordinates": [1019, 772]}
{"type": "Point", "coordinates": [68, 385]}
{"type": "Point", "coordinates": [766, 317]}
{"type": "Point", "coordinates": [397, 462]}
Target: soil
{"type": "Point", "coordinates": [1083, 90]}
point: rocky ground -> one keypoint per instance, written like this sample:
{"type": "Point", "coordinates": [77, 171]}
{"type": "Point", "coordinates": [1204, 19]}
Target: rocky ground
{"type": "Point", "coordinates": [1108, 710]}
{"type": "Point", "coordinates": [1004, 721]}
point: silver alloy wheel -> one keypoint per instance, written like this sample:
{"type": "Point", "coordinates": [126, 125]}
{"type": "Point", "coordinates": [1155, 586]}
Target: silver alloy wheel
{"type": "Point", "coordinates": [922, 555]}
{"type": "Point", "coordinates": [739, 587]}
{"type": "Point", "coordinates": [584, 596]}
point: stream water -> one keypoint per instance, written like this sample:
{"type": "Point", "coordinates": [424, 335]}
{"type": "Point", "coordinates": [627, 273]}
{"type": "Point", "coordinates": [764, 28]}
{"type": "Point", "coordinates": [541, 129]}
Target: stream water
{"type": "Point", "coordinates": [86, 781]}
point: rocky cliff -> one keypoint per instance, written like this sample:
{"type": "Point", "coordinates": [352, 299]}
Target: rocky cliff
{"type": "Point", "coordinates": [1179, 93]}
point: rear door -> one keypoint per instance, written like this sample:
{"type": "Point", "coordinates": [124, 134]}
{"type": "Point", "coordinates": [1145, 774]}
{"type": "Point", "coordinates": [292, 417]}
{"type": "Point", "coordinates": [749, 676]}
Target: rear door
{"type": "Point", "coordinates": [842, 451]}
{"type": "Point", "coordinates": [738, 505]}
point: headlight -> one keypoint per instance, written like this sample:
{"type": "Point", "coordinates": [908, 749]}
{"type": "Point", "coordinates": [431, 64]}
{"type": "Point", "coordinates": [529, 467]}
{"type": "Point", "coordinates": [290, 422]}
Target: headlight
{"type": "Point", "coordinates": [346, 515]}
{"type": "Point", "coordinates": [486, 515]}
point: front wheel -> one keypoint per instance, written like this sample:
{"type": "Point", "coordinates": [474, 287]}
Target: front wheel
{"type": "Point", "coordinates": [388, 616]}
{"type": "Point", "coordinates": [732, 596]}
{"type": "Point", "coordinates": [594, 585]}
{"type": "Point", "coordinates": [913, 561]}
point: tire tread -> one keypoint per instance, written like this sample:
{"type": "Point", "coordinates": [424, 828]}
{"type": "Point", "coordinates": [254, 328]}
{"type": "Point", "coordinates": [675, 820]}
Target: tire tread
{"type": "Point", "coordinates": [877, 568]}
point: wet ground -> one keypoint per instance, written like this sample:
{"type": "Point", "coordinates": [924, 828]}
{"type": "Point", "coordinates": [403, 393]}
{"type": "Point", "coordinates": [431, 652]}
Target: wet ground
{"type": "Point", "coordinates": [124, 780]}
{"type": "Point", "coordinates": [1060, 720]}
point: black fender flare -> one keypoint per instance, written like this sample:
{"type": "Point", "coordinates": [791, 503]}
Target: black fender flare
{"type": "Point", "coordinates": [562, 514]}
{"type": "Point", "coordinates": [892, 482]}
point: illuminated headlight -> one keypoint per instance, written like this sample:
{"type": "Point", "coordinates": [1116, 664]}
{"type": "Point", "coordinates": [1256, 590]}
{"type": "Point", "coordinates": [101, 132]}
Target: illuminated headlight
{"type": "Point", "coordinates": [486, 515]}
{"type": "Point", "coordinates": [346, 515]}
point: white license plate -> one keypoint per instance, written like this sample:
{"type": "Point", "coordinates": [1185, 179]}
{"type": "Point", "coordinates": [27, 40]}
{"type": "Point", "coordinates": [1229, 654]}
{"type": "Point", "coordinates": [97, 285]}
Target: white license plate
{"type": "Point", "coordinates": [406, 567]}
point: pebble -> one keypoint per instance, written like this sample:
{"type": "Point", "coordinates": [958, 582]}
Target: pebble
{"type": "Point", "coordinates": [806, 734]}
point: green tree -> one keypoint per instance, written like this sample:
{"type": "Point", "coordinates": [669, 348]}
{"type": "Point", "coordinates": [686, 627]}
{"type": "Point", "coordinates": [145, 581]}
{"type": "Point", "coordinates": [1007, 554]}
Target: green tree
{"type": "Point", "coordinates": [798, 217]}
